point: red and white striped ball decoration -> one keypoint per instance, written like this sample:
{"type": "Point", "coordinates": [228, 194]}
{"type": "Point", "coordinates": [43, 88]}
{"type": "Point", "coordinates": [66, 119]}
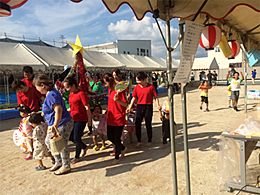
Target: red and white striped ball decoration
{"type": "Point", "coordinates": [210, 37]}
{"type": "Point", "coordinates": [76, 1]}
{"type": "Point", "coordinates": [235, 47]}
{"type": "Point", "coordinates": [7, 5]}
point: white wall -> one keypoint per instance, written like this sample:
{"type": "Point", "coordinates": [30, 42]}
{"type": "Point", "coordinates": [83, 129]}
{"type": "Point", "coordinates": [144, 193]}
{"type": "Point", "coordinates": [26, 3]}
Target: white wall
{"type": "Point", "coordinates": [224, 62]}
{"type": "Point", "coordinates": [131, 46]}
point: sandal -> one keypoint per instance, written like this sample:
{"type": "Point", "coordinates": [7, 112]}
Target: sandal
{"type": "Point", "coordinates": [28, 157]}
{"type": "Point", "coordinates": [67, 170]}
{"type": "Point", "coordinates": [103, 148]}
{"type": "Point", "coordinates": [74, 160]}
{"type": "Point", "coordinates": [112, 154]}
{"type": "Point", "coordinates": [55, 167]}
{"type": "Point", "coordinates": [39, 168]}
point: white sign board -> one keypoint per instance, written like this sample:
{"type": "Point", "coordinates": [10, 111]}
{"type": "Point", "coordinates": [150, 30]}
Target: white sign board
{"type": "Point", "coordinates": [189, 48]}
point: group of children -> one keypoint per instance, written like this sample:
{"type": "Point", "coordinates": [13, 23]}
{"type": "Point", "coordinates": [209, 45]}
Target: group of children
{"type": "Point", "coordinates": [233, 90]}
{"type": "Point", "coordinates": [34, 129]}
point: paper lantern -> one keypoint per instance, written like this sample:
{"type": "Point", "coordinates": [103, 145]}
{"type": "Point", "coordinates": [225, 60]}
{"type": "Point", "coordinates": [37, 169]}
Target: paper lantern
{"type": "Point", "coordinates": [235, 47]}
{"type": "Point", "coordinates": [7, 5]}
{"type": "Point", "coordinates": [210, 37]}
{"type": "Point", "coordinates": [76, 1]}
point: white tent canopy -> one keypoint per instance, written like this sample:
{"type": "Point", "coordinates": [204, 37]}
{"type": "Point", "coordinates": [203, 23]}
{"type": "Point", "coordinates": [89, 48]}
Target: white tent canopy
{"type": "Point", "coordinates": [205, 64]}
{"type": "Point", "coordinates": [101, 60]}
{"type": "Point", "coordinates": [56, 58]}
{"type": "Point", "coordinates": [13, 56]}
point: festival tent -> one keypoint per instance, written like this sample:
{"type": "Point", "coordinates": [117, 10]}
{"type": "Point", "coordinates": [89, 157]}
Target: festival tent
{"type": "Point", "coordinates": [205, 64]}
{"type": "Point", "coordinates": [243, 21]}
{"type": "Point", "coordinates": [55, 58]}
{"type": "Point", "coordinates": [162, 62]}
{"type": "Point", "coordinates": [101, 60]}
{"type": "Point", "coordinates": [151, 64]}
{"type": "Point", "coordinates": [14, 56]}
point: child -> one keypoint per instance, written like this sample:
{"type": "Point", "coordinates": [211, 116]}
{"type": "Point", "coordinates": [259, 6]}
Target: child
{"type": "Point", "coordinates": [99, 127]}
{"type": "Point", "coordinates": [229, 97]}
{"type": "Point", "coordinates": [39, 135]}
{"type": "Point", "coordinates": [166, 125]}
{"type": "Point", "coordinates": [26, 128]}
{"type": "Point", "coordinates": [204, 94]}
{"type": "Point", "coordinates": [131, 123]}
{"type": "Point", "coordinates": [235, 88]}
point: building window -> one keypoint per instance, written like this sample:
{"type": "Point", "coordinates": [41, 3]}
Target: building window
{"type": "Point", "coordinates": [142, 52]}
{"type": "Point", "coordinates": [236, 65]}
{"type": "Point", "coordinates": [124, 52]}
{"type": "Point", "coordinates": [147, 52]}
{"type": "Point", "coordinates": [128, 52]}
{"type": "Point", "coordinates": [138, 51]}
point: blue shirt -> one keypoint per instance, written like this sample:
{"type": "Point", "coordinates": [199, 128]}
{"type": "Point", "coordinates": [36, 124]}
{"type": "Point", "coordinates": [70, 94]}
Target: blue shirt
{"type": "Point", "coordinates": [54, 97]}
{"type": "Point", "coordinates": [253, 74]}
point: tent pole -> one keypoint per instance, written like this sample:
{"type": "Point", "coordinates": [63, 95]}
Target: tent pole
{"type": "Point", "coordinates": [170, 98]}
{"type": "Point", "coordinates": [8, 92]}
{"type": "Point", "coordinates": [244, 60]}
{"type": "Point", "coordinates": [184, 121]}
{"type": "Point", "coordinates": [245, 92]}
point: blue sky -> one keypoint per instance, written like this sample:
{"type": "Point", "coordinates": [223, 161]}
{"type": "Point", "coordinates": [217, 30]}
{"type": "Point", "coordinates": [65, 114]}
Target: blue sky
{"type": "Point", "coordinates": [89, 19]}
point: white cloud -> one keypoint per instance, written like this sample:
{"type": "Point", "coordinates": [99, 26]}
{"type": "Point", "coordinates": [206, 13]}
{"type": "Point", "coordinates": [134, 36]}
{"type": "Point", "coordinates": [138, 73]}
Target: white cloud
{"type": "Point", "coordinates": [48, 19]}
{"type": "Point", "coordinates": [145, 29]}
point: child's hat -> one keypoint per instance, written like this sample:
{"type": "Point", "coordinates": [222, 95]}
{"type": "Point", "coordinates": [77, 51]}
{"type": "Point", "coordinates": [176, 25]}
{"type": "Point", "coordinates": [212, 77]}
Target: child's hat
{"type": "Point", "coordinates": [165, 106]}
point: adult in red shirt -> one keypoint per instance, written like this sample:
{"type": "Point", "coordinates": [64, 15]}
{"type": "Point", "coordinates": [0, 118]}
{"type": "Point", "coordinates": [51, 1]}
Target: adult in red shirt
{"type": "Point", "coordinates": [27, 96]}
{"type": "Point", "coordinates": [28, 79]}
{"type": "Point", "coordinates": [80, 112]}
{"type": "Point", "coordinates": [144, 92]}
{"type": "Point", "coordinates": [116, 121]}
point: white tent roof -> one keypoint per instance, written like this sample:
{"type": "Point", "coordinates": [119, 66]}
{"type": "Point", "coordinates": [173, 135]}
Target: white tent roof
{"type": "Point", "coordinates": [55, 57]}
{"type": "Point", "coordinates": [205, 64]}
{"type": "Point", "coordinates": [101, 60]}
{"type": "Point", "coordinates": [148, 63]}
{"type": "Point", "coordinates": [14, 56]}
{"type": "Point", "coordinates": [240, 15]}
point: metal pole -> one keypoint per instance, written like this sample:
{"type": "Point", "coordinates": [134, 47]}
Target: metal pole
{"type": "Point", "coordinates": [7, 89]}
{"type": "Point", "coordinates": [245, 78]}
{"type": "Point", "coordinates": [170, 98]}
{"type": "Point", "coordinates": [184, 121]}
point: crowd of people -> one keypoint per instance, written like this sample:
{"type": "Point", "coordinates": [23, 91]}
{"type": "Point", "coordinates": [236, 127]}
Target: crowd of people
{"type": "Point", "coordinates": [37, 93]}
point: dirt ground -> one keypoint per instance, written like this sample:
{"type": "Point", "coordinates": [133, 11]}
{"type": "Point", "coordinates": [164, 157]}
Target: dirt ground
{"type": "Point", "coordinates": [142, 171]}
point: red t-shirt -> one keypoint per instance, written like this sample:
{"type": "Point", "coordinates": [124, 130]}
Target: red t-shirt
{"type": "Point", "coordinates": [30, 98]}
{"type": "Point", "coordinates": [78, 101]}
{"type": "Point", "coordinates": [29, 83]}
{"type": "Point", "coordinates": [144, 94]}
{"type": "Point", "coordinates": [115, 111]}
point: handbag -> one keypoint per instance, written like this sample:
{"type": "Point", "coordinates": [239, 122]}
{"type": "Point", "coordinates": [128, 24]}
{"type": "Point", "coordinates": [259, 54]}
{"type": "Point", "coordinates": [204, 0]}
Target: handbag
{"type": "Point", "coordinates": [57, 143]}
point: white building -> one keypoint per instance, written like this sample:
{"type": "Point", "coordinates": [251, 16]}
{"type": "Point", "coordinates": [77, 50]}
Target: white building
{"type": "Point", "coordinates": [133, 47]}
{"type": "Point", "coordinates": [218, 62]}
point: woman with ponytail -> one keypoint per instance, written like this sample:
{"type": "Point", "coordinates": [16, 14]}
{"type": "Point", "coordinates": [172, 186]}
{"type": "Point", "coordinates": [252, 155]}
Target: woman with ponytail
{"type": "Point", "coordinates": [116, 121]}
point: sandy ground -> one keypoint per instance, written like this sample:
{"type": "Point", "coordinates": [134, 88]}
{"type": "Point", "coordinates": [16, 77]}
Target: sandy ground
{"type": "Point", "coordinates": [142, 171]}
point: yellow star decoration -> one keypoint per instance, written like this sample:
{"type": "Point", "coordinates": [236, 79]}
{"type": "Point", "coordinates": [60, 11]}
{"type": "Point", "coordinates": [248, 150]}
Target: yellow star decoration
{"type": "Point", "coordinates": [77, 47]}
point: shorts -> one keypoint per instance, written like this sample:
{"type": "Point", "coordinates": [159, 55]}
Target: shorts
{"type": "Point", "coordinates": [229, 97]}
{"type": "Point", "coordinates": [235, 95]}
{"type": "Point", "coordinates": [204, 99]}
{"type": "Point", "coordinates": [130, 128]}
